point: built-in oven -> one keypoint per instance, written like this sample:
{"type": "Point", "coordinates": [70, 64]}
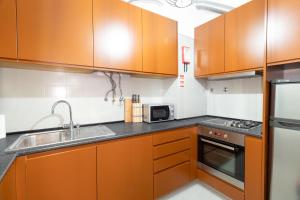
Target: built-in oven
{"type": "Point", "coordinates": [222, 154]}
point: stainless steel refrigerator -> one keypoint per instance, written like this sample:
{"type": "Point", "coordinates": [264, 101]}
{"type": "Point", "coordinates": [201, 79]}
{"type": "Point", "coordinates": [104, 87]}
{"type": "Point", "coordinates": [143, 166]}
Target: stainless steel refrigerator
{"type": "Point", "coordinates": [284, 142]}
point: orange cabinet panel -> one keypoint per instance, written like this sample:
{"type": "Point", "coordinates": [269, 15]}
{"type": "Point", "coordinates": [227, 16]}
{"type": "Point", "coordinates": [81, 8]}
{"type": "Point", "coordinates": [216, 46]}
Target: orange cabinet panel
{"type": "Point", "coordinates": [171, 179]}
{"type": "Point", "coordinates": [117, 35]}
{"type": "Point", "coordinates": [171, 148]}
{"type": "Point", "coordinates": [60, 175]}
{"type": "Point", "coordinates": [160, 44]}
{"type": "Point", "coordinates": [56, 31]}
{"type": "Point", "coordinates": [8, 33]}
{"type": "Point", "coordinates": [245, 37]}
{"type": "Point", "coordinates": [253, 168]}
{"type": "Point", "coordinates": [8, 184]}
{"type": "Point", "coordinates": [125, 169]}
{"type": "Point", "coordinates": [171, 135]}
{"type": "Point", "coordinates": [283, 30]}
{"type": "Point", "coordinates": [209, 47]}
{"type": "Point", "coordinates": [171, 161]}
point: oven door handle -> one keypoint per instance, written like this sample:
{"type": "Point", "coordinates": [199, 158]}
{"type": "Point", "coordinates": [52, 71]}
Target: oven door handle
{"type": "Point", "coordinates": [218, 144]}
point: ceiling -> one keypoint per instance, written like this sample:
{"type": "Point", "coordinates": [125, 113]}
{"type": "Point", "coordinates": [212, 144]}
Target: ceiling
{"type": "Point", "coordinates": [188, 18]}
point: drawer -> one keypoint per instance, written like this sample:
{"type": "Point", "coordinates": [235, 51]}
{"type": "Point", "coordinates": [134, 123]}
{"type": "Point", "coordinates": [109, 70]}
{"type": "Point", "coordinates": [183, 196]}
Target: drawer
{"type": "Point", "coordinates": [171, 161]}
{"type": "Point", "coordinates": [171, 148]}
{"type": "Point", "coordinates": [173, 135]}
{"type": "Point", "coordinates": [171, 179]}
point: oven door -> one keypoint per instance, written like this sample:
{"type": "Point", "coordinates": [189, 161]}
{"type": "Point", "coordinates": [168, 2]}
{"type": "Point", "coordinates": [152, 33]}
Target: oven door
{"type": "Point", "coordinates": [222, 159]}
{"type": "Point", "coordinates": [160, 113]}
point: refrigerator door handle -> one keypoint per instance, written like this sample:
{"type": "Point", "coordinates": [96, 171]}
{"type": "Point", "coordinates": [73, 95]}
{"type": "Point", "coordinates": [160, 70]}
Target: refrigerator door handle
{"type": "Point", "coordinates": [289, 125]}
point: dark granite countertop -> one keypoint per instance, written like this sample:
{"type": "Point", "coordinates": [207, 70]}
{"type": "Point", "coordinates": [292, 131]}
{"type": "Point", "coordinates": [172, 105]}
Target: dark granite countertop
{"type": "Point", "coordinates": [120, 128]}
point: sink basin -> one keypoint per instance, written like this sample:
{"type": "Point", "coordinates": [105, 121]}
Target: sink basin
{"type": "Point", "coordinates": [27, 141]}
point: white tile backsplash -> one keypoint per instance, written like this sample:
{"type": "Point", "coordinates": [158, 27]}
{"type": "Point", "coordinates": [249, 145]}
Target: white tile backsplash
{"type": "Point", "coordinates": [244, 98]}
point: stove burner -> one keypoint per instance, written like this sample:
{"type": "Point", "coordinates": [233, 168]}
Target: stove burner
{"type": "Point", "coordinates": [244, 124]}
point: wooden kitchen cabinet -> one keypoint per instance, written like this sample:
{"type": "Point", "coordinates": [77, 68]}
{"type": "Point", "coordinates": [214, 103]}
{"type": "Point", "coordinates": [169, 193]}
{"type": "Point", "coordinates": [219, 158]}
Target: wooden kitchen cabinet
{"type": "Point", "coordinates": [245, 37]}
{"type": "Point", "coordinates": [209, 47]}
{"type": "Point", "coordinates": [68, 174]}
{"type": "Point", "coordinates": [117, 35]}
{"type": "Point", "coordinates": [8, 184]}
{"type": "Point", "coordinates": [160, 44]}
{"type": "Point", "coordinates": [174, 159]}
{"type": "Point", "coordinates": [283, 31]}
{"type": "Point", "coordinates": [125, 169]}
{"type": "Point", "coordinates": [8, 33]}
{"type": "Point", "coordinates": [253, 168]}
{"type": "Point", "coordinates": [55, 31]}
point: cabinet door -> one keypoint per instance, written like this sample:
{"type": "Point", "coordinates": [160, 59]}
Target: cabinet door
{"type": "Point", "coordinates": [118, 35]}
{"type": "Point", "coordinates": [209, 47]}
{"type": "Point", "coordinates": [62, 175]}
{"type": "Point", "coordinates": [8, 33]}
{"type": "Point", "coordinates": [283, 30]}
{"type": "Point", "coordinates": [8, 184]}
{"type": "Point", "coordinates": [245, 37]}
{"type": "Point", "coordinates": [253, 168]}
{"type": "Point", "coordinates": [160, 51]}
{"type": "Point", "coordinates": [125, 169]}
{"type": "Point", "coordinates": [57, 31]}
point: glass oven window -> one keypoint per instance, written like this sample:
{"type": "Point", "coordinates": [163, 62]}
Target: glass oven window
{"type": "Point", "coordinates": [227, 160]}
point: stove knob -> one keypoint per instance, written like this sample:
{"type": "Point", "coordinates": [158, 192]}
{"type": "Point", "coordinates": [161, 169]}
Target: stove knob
{"type": "Point", "coordinates": [225, 136]}
{"type": "Point", "coordinates": [210, 132]}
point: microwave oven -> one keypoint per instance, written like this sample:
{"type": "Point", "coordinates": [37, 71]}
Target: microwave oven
{"type": "Point", "coordinates": [158, 112]}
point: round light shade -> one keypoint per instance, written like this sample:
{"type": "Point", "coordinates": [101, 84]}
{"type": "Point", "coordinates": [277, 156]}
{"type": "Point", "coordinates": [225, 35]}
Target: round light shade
{"type": "Point", "coordinates": [183, 3]}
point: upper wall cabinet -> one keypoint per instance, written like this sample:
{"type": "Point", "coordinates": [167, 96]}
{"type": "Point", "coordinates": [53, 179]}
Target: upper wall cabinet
{"type": "Point", "coordinates": [8, 33]}
{"type": "Point", "coordinates": [160, 45]}
{"type": "Point", "coordinates": [117, 35]}
{"type": "Point", "coordinates": [245, 37]}
{"type": "Point", "coordinates": [56, 31]}
{"type": "Point", "coordinates": [283, 30]}
{"type": "Point", "coordinates": [209, 47]}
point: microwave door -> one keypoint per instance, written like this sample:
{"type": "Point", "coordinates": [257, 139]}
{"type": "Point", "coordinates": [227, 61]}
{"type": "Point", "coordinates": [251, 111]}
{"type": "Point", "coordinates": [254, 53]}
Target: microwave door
{"type": "Point", "coordinates": [284, 161]}
{"type": "Point", "coordinates": [160, 113]}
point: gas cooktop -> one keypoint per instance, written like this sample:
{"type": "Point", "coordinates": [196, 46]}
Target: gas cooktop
{"type": "Point", "coordinates": [236, 123]}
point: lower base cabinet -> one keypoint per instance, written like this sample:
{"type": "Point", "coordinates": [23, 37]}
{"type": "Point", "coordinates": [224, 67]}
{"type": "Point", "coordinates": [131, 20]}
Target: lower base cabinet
{"type": "Point", "coordinates": [68, 174]}
{"type": "Point", "coordinates": [174, 159]}
{"type": "Point", "coordinates": [253, 168]}
{"type": "Point", "coordinates": [7, 184]}
{"type": "Point", "coordinates": [171, 179]}
{"type": "Point", "coordinates": [135, 168]}
{"type": "Point", "coordinates": [125, 169]}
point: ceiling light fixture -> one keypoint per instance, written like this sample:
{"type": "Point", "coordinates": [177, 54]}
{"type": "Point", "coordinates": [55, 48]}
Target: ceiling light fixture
{"type": "Point", "coordinates": [201, 4]}
{"type": "Point", "coordinates": [209, 5]}
{"type": "Point", "coordinates": [180, 3]}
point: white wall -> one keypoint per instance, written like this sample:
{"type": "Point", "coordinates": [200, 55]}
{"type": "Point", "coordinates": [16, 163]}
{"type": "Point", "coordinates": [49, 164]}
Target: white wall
{"type": "Point", "coordinates": [243, 100]}
{"type": "Point", "coordinates": [189, 100]}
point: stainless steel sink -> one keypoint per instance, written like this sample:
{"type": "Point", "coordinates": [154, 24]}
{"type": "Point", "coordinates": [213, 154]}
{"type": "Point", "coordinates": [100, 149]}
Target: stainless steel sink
{"type": "Point", "coordinates": [27, 141]}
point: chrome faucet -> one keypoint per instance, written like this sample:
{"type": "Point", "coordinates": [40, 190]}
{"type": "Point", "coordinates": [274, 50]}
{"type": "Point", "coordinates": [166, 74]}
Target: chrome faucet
{"type": "Point", "coordinates": [71, 125]}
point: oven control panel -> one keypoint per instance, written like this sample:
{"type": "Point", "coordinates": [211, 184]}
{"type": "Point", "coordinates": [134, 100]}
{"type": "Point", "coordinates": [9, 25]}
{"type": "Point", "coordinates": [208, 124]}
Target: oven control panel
{"type": "Point", "coordinates": [227, 136]}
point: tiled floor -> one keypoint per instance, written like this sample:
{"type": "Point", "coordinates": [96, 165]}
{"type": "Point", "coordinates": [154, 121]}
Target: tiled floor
{"type": "Point", "coordinates": [195, 191]}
